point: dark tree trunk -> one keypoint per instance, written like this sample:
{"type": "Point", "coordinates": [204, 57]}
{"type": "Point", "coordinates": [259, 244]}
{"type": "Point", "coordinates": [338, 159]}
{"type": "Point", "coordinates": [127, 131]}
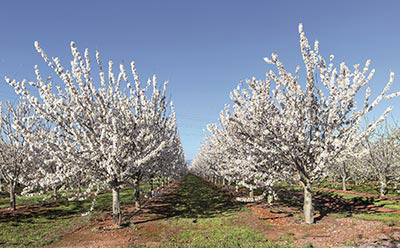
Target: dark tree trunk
{"type": "Point", "coordinates": [79, 188]}
{"type": "Point", "coordinates": [137, 195]}
{"type": "Point", "coordinates": [13, 203]}
{"type": "Point", "coordinates": [151, 187]}
{"type": "Point", "coordinates": [383, 185]}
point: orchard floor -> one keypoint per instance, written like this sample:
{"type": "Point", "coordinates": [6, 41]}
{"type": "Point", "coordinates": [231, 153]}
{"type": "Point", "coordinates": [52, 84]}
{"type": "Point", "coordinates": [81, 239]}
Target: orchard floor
{"type": "Point", "coordinates": [195, 213]}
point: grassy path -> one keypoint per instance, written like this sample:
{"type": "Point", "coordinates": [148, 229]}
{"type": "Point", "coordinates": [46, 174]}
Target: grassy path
{"type": "Point", "coordinates": [207, 217]}
{"type": "Point", "coordinates": [198, 199]}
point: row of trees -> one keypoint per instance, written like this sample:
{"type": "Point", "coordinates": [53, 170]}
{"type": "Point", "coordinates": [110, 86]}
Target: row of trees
{"type": "Point", "coordinates": [279, 130]}
{"type": "Point", "coordinates": [377, 158]}
{"type": "Point", "coordinates": [78, 132]}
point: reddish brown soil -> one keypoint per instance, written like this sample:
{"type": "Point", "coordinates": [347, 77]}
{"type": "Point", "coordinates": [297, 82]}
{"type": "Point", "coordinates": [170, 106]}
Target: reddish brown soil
{"type": "Point", "coordinates": [280, 222]}
{"type": "Point", "coordinates": [144, 228]}
{"type": "Point", "coordinates": [25, 211]}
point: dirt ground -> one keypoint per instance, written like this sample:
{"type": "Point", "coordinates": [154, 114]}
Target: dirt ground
{"type": "Point", "coordinates": [25, 210]}
{"type": "Point", "coordinates": [102, 233]}
{"type": "Point", "coordinates": [279, 222]}
{"type": "Point", "coordinates": [327, 232]}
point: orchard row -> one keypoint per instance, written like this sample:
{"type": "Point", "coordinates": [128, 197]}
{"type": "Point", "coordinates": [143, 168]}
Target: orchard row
{"type": "Point", "coordinates": [294, 127]}
{"type": "Point", "coordinates": [88, 132]}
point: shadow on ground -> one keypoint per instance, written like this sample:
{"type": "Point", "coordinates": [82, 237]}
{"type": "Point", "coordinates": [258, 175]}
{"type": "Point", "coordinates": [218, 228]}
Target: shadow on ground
{"type": "Point", "coordinates": [50, 211]}
{"type": "Point", "coordinates": [327, 203]}
{"type": "Point", "coordinates": [191, 198]}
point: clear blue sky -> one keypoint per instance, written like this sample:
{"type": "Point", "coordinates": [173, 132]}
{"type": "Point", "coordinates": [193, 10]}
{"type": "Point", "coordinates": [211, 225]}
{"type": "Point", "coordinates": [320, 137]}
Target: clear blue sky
{"type": "Point", "coordinates": [204, 48]}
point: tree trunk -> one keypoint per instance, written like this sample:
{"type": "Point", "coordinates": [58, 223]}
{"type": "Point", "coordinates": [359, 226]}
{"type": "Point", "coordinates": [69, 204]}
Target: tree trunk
{"type": "Point", "coordinates": [251, 193]}
{"type": "Point", "coordinates": [334, 180]}
{"type": "Point", "coordinates": [237, 188]}
{"type": "Point", "coordinates": [117, 218]}
{"type": "Point", "coordinates": [55, 192]}
{"type": "Point", "coordinates": [344, 183]}
{"type": "Point", "coordinates": [308, 204]}
{"type": "Point", "coordinates": [151, 188]}
{"type": "Point", "coordinates": [137, 194]}
{"type": "Point", "coordinates": [383, 186]}
{"type": "Point", "coordinates": [270, 196]}
{"type": "Point", "coordinates": [79, 188]}
{"type": "Point", "coordinates": [13, 203]}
